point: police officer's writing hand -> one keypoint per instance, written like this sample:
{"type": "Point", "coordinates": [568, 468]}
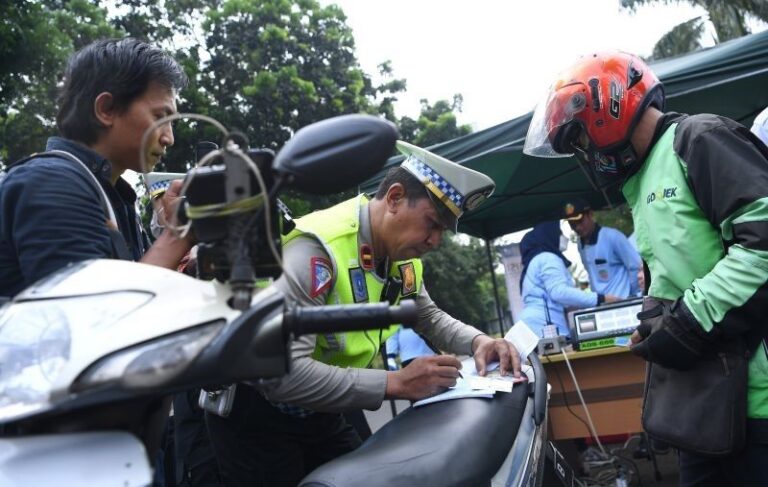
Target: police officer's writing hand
{"type": "Point", "coordinates": [424, 377]}
{"type": "Point", "coordinates": [610, 298]}
{"type": "Point", "coordinates": [487, 349]}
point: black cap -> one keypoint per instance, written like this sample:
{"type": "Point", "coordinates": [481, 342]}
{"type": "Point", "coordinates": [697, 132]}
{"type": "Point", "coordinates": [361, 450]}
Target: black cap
{"type": "Point", "coordinates": [575, 208]}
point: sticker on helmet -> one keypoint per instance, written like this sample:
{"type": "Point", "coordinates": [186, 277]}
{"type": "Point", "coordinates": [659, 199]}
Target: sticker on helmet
{"type": "Point", "coordinates": [614, 108]}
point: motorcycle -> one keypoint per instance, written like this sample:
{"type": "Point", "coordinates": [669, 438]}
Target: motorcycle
{"type": "Point", "coordinates": [471, 441]}
{"type": "Point", "coordinates": [91, 355]}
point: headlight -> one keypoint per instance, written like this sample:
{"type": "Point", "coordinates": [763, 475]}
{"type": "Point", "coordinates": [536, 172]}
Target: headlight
{"type": "Point", "coordinates": [149, 364]}
{"type": "Point", "coordinates": [35, 343]}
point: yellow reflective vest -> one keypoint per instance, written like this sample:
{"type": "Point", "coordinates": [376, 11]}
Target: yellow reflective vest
{"type": "Point", "coordinates": [336, 228]}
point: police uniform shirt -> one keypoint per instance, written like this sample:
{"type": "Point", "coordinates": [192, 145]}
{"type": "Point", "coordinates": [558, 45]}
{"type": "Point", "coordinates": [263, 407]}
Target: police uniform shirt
{"type": "Point", "coordinates": [611, 262]}
{"type": "Point", "coordinates": [321, 387]}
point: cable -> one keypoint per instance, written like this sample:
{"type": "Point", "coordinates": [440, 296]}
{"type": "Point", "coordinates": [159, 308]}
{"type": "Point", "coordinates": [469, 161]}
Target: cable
{"type": "Point", "coordinates": [610, 472]}
{"type": "Point", "coordinates": [247, 204]}
{"type": "Point", "coordinates": [583, 403]}
{"type": "Point", "coordinates": [565, 396]}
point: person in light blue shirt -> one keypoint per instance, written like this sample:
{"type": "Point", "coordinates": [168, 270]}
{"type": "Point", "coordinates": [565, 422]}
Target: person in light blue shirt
{"type": "Point", "coordinates": [408, 345]}
{"type": "Point", "coordinates": [547, 286]}
{"type": "Point", "coordinates": [610, 259]}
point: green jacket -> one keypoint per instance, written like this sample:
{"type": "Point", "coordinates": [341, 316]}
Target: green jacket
{"type": "Point", "coordinates": [700, 208]}
{"type": "Point", "coordinates": [337, 228]}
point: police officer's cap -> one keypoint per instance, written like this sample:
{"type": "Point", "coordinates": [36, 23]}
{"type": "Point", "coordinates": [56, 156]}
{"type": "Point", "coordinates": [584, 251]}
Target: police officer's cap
{"type": "Point", "coordinates": [453, 188]}
{"type": "Point", "coordinates": [158, 182]}
{"type": "Point", "coordinates": [574, 209]}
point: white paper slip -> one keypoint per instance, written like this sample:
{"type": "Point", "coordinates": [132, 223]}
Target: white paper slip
{"type": "Point", "coordinates": [496, 384]}
{"type": "Point", "coordinates": [493, 378]}
{"type": "Point", "coordinates": [460, 391]}
{"type": "Point", "coordinates": [522, 338]}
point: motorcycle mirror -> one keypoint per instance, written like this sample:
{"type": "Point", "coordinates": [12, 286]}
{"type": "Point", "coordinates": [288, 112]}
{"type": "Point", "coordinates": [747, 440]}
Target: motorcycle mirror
{"type": "Point", "coordinates": [336, 154]}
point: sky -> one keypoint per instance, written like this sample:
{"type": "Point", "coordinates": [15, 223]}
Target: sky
{"type": "Point", "coordinates": [500, 55]}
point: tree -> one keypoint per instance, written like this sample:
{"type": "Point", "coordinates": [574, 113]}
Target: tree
{"type": "Point", "coordinates": [36, 38]}
{"type": "Point", "coordinates": [437, 123]}
{"type": "Point", "coordinates": [728, 17]}
{"type": "Point", "coordinates": [458, 280]}
{"type": "Point", "coordinates": [619, 218]}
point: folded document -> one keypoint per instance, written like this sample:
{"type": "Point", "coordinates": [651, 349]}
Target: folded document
{"type": "Point", "coordinates": [475, 385]}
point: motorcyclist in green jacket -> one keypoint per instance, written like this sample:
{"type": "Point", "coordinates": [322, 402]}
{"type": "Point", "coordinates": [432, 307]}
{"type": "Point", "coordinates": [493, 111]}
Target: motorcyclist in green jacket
{"type": "Point", "coordinates": [698, 189]}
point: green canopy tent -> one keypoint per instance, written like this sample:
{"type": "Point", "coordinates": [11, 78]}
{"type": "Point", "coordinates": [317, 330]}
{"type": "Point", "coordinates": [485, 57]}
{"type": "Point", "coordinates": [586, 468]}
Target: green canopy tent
{"type": "Point", "coordinates": [730, 79]}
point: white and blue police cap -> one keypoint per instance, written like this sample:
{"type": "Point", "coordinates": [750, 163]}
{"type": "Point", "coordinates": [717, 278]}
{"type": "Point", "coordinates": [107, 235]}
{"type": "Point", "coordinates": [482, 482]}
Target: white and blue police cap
{"type": "Point", "coordinates": [158, 182]}
{"type": "Point", "coordinates": [452, 187]}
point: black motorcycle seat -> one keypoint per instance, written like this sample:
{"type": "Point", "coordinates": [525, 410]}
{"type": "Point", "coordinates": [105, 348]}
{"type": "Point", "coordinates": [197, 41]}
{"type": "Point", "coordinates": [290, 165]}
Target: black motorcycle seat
{"type": "Point", "coordinates": [460, 442]}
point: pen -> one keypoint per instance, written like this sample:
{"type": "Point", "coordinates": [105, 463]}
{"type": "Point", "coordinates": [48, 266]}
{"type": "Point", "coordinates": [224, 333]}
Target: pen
{"type": "Point", "coordinates": [434, 349]}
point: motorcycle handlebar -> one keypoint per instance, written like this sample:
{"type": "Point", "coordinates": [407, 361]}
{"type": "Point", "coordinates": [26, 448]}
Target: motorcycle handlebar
{"type": "Point", "coordinates": [348, 317]}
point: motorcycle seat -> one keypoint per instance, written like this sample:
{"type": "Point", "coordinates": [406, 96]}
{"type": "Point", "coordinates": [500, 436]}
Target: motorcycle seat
{"type": "Point", "coordinates": [460, 442]}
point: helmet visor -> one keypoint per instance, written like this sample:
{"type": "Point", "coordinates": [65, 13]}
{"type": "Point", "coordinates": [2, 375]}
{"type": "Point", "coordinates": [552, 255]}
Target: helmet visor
{"type": "Point", "coordinates": [556, 111]}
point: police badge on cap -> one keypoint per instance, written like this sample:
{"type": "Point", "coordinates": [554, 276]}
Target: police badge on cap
{"type": "Point", "coordinates": [453, 188]}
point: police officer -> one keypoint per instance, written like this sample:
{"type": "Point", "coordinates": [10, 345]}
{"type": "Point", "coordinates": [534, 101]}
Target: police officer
{"type": "Point", "coordinates": [358, 251]}
{"type": "Point", "coordinates": [698, 189]}
{"type": "Point", "coordinates": [611, 261]}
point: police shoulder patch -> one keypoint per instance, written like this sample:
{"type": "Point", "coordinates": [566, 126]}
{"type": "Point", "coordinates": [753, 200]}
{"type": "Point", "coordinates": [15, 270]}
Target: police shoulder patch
{"type": "Point", "coordinates": [359, 286]}
{"type": "Point", "coordinates": [408, 275]}
{"type": "Point", "coordinates": [322, 276]}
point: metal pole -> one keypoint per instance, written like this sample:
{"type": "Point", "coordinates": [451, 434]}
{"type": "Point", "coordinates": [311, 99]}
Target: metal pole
{"type": "Point", "coordinates": [495, 287]}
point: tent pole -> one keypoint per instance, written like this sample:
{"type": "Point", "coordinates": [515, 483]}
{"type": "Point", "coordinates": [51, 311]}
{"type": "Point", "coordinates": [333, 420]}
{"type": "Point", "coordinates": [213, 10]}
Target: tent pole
{"type": "Point", "coordinates": [495, 287]}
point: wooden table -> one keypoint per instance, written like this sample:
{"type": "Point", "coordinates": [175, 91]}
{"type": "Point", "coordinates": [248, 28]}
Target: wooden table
{"type": "Point", "coordinates": [611, 381]}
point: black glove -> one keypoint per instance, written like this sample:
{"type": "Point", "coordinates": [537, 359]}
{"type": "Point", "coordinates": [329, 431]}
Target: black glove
{"type": "Point", "coordinates": [672, 337]}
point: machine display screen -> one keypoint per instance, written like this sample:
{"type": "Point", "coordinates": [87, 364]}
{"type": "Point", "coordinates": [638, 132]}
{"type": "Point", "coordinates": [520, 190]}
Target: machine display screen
{"type": "Point", "coordinates": [610, 320]}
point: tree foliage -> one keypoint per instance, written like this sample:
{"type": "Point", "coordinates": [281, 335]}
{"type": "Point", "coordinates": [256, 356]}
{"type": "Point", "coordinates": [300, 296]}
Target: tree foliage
{"type": "Point", "coordinates": [263, 67]}
{"type": "Point", "coordinates": [437, 123]}
{"type": "Point", "coordinates": [728, 18]}
{"type": "Point", "coordinates": [683, 38]}
{"type": "Point", "coordinates": [36, 38]}
{"type": "Point", "coordinates": [458, 279]}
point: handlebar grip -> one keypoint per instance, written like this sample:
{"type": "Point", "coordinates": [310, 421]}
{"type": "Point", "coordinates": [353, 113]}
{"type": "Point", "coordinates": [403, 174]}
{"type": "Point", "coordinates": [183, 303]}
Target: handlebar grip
{"type": "Point", "coordinates": [539, 389]}
{"type": "Point", "coordinates": [348, 317]}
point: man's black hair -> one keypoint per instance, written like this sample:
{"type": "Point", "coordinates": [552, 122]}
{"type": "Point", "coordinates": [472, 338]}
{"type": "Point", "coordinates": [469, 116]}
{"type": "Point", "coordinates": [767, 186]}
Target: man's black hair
{"type": "Point", "coordinates": [414, 189]}
{"type": "Point", "coordinates": [122, 67]}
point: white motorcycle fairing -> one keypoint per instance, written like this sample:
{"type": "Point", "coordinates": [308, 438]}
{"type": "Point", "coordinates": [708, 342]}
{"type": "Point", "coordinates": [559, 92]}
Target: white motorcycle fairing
{"type": "Point", "coordinates": [95, 308]}
{"type": "Point", "coordinates": [100, 459]}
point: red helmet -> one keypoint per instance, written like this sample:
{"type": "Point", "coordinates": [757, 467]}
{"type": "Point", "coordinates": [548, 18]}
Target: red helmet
{"type": "Point", "coordinates": [592, 109]}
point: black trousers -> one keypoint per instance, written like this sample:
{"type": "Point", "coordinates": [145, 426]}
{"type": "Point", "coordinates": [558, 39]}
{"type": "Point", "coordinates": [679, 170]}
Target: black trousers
{"type": "Point", "coordinates": [258, 445]}
{"type": "Point", "coordinates": [195, 463]}
{"type": "Point", "coordinates": [748, 468]}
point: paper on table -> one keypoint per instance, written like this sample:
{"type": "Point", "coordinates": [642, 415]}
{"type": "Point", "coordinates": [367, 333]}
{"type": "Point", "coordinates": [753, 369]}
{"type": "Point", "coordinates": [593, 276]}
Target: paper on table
{"type": "Point", "coordinates": [522, 338]}
{"type": "Point", "coordinates": [461, 390]}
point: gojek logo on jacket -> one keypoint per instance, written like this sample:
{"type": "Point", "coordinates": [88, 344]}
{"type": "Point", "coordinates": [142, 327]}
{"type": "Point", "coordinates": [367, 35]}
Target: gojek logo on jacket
{"type": "Point", "coordinates": [662, 194]}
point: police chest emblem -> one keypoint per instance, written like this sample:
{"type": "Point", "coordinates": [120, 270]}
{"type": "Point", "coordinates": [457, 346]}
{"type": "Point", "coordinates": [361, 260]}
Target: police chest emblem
{"type": "Point", "coordinates": [359, 286]}
{"type": "Point", "coordinates": [321, 276]}
{"type": "Point", "coordinates": [408, 274]}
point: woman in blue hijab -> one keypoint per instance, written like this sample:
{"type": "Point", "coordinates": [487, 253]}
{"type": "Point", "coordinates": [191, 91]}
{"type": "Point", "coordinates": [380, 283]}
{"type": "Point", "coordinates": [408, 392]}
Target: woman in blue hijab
{"type": "Point", "coordinates": [546, 285]}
